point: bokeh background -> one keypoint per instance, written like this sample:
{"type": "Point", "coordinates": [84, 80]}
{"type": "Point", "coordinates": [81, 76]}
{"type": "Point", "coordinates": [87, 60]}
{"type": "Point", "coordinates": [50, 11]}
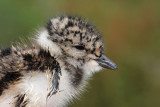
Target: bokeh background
{"type": "Point", "coordinates": [131, 31]}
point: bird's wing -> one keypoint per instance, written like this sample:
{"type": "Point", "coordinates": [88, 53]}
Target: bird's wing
{"type": "Point", "coordinates": [16, 62]}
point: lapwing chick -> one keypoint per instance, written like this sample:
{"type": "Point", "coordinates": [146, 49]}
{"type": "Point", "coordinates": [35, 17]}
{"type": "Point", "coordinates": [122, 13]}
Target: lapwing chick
{"type": "Point", "coordinates": [55, 67]}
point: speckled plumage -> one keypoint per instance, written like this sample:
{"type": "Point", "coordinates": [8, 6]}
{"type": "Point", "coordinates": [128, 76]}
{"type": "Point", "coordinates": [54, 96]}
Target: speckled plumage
{"type": "Point", "coordinates": [54, 68]}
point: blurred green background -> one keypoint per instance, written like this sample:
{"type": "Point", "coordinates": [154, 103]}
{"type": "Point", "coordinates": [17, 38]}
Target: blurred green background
{"type": "Point", "coordinates": [131, 31]}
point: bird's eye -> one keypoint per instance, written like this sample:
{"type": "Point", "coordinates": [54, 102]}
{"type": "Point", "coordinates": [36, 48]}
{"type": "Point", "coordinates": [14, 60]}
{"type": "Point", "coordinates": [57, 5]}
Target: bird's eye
{"type": "Point", "coordinates": [79, 47]}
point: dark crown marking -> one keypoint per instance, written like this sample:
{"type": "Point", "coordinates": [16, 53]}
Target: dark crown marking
{"type": "Point", "coordinates": [81, 26]}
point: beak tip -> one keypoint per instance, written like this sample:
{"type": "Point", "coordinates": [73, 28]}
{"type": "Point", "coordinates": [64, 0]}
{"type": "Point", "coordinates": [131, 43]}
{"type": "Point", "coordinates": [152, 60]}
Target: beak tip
{"type": "Point", "coordinates": [114, 67]}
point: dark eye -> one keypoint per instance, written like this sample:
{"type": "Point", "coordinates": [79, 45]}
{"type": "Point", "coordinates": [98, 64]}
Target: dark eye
{"type": "Point", "coordinates": [79, 47]}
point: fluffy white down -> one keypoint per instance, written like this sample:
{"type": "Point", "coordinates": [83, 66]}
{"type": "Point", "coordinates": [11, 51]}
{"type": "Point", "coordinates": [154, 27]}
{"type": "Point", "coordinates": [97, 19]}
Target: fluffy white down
{"type": "Point", "coordinates": [36, 88]}
{"type": "Point", "coordinates": [91, 67]}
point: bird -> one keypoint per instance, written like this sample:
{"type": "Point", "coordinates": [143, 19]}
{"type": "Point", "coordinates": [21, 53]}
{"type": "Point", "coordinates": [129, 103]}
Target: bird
{"type": "Point", "coordinates": [54, 68]}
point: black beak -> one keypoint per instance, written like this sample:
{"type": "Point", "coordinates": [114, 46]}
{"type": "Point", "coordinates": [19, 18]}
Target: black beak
{"type": "Point", "coordinates": [105, 62]}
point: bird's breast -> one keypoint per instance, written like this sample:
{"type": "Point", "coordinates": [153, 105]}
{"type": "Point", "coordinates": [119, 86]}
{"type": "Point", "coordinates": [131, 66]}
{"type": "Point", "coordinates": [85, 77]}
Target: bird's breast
{"type": "Point", "coordinates": [36, 86]}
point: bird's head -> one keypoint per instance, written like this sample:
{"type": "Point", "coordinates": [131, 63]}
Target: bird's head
{"type": "Point", "coordinates": [76, 41]}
